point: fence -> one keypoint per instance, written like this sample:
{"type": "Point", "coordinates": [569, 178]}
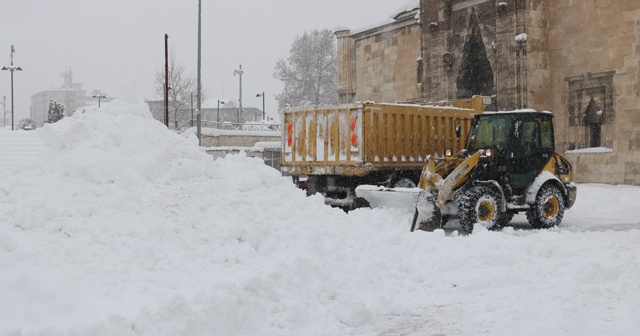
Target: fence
{"type": "Point", "coordinates": [270, 156]}
{"type": "Point", "coordinates": [229, 126]}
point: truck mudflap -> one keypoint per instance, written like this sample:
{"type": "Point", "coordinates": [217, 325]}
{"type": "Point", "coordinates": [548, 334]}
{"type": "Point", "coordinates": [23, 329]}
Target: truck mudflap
{"type": "Point", "coordinates": [427, 216]}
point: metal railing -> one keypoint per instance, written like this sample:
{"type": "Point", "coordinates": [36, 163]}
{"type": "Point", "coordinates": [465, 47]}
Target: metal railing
{"type": "Point", "coordinates": [185, 125]}
{"type": "Point", "coordinates": [229, 126]}
{"type": "Point", "coordinates": [270, 156]}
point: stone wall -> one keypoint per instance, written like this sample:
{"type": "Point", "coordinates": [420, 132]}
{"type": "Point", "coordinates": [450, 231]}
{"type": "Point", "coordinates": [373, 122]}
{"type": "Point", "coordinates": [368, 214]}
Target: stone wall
{"type": "Point", "coordinates": [578, 59]}
{"type": "Point", "coordinates": [380, 64]}
{"type": "Point", "coordinates": [387, 63]}
{"type": "Point", "coordinates": [594, 86]}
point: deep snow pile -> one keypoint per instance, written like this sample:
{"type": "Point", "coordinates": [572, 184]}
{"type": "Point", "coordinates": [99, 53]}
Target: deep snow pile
{"type": "Point", "coordinates": [121, 227]}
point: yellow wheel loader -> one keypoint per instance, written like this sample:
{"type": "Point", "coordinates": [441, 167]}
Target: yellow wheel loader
{"type": "Point", "coordinates": [509, 165]}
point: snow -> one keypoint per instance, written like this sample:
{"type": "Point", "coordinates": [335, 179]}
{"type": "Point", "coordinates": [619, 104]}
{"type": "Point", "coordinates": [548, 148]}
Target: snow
{"type": "Point", "coordinates": [407, 7]}
{"type": "Point", "coordinates": [590, 150]}
{"type": "Point", "coordinates": [117, 226]}
{"type": "Point", "coordinates": [521, 37]}
{"type": "Point", "coordinates": [516, 111]}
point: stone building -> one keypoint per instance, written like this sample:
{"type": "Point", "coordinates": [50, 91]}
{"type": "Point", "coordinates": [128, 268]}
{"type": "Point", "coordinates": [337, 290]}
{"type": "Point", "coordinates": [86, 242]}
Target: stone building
{"type": "Point", "coordinates": [578, 59]}
{"type": "Point", "coordinates": [71, 95]}
{"type": "Point", "coordinates": [381, 63]}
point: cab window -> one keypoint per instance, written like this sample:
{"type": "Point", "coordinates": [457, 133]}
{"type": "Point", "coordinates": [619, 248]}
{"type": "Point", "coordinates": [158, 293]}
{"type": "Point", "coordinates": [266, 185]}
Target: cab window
{"type": "Point", "coordinates": [546, 135]}
{"type": "Point", "coordinates": [490, 133]}
{"type": "Point", "coordinates": [528, 140]}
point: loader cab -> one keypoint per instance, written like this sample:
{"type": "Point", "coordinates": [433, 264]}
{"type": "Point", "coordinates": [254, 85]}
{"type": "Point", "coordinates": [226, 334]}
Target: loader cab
{"type": "Point", "coordinates": [521, 143]}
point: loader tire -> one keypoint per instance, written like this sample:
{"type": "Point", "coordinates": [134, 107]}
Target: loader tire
{"type": "Point", "coordinates": [548, 210]}
{"type": "Point", "coordinates": [479, 204]}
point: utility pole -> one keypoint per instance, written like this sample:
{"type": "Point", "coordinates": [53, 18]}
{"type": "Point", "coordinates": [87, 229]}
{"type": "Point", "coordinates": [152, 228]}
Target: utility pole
{"type": "Point", "coordinates": [166, 80]}
{"type": "Point", "coordinates": [12, 69]}
{"type": "Point", "coordinates": [239, 73]}
{"type": "Point", "coordinates": [199, 93]}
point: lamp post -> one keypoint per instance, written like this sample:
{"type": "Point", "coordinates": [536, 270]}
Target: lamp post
{"type": "Point", "coordinates": [199, 83]}
{"type": "Point", "coordinates": [264, 114]}
{"type": "Point", "coordinates": [166, 80]}
{"type": "Point", "coordinates": [218, 119]}
{"type": "Point", "coordinates": [239, 72]}
{"type": "Point", "coordinates": [99, 96]}
{"type": "Point", "coordinates": [12, 69]}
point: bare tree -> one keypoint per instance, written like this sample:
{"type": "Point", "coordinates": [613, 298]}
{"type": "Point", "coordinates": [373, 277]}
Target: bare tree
{"type": "Point", "coordinates": [181, 88]}
{"type": "Point", "coordinates": [70, 102]}
{"type": "Point", "coordinates": [310, 72]}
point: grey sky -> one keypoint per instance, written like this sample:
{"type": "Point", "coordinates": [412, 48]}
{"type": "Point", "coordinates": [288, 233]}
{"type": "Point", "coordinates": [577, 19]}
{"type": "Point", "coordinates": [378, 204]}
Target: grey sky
{"type": "Point", "coordinates": [115, 46]}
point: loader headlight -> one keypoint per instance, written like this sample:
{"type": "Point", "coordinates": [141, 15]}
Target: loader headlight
{"type": "Point", "coordinates": [488, 152]}
{"type": "Point", "coordinates": [448, 152]}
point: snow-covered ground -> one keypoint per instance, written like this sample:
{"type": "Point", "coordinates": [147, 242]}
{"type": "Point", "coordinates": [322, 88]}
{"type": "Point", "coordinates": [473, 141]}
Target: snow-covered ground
{"type": "Point", "coordinates": [117, 226]}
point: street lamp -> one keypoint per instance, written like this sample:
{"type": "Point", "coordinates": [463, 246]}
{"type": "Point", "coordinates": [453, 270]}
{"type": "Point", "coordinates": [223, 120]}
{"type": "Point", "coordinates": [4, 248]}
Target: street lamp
{"type": "Point", "coordinates": [99, 96]}
{"type": "Point", "coordinates": [12, 69]}
{"type": "Point", "coordinates": [264, 114]}
{"type": "Point", "coordinates": [239, 72]}
{"type": "Point", "coordinates": [218, 119]}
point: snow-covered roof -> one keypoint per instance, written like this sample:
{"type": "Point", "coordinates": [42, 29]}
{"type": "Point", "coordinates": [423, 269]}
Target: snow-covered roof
{"type": "Point", "coordinates": [516, 111]}
{"type": "Point", "coordinates": [408, 7]}
{"type": "Point", "coordinates": [399, 14]}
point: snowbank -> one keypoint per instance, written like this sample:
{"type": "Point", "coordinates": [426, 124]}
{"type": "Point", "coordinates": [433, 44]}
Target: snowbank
{"type": "Point", "coordinates": [121, 227]}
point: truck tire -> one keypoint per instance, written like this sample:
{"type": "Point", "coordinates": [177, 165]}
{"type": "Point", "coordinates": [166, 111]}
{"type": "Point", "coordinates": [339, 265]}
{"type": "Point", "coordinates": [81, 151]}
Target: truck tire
{"type": "Point", "coordinates": [479, 204]}
{"type": "Point", "coordinates": [548, 210]}
{"type": "Point", "coordinates": [359, 202]}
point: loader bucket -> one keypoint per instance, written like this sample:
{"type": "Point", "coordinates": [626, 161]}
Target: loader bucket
{"type": "Point", "coordinates": [427, 215]}
{"type": "Point", "coordinates": [382, 197]}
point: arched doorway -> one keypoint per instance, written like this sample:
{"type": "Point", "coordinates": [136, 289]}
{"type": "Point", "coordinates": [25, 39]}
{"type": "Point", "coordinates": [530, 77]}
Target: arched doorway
{"type": "Point", "coordinates": [475, 75]}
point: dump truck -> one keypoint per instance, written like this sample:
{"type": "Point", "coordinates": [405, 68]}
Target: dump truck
{"type": "Point", "coordinates": [335, 149]}
{"type": "Point", "coordinates": [508, 165]}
